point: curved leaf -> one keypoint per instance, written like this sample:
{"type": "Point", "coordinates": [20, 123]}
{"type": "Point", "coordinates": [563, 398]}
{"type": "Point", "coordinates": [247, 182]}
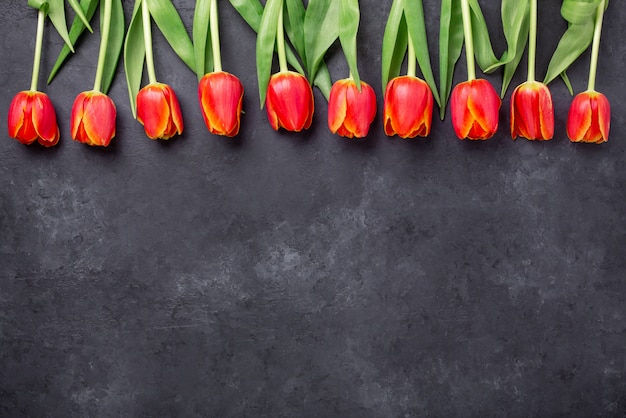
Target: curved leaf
{"type": "Point", "coordinates": [202, 38]}
{"type": "Point", "coordinates": [414, 15]}
{"type": "Point", "coordinates": [134, 56]}
{"type": "Point", "coordinates": [581, 17]}
{"type": "Point", "coordinates": [349, 17]}
{"type": "Point", "coordinates": [56, 12]}
{"type": "Point", "coordinates": [114, 46]}
{"type": "Point", "coordinates": [323, 80]}
{"type": "Point", "coordinates": [394, 42]}
{"type": "Point", "coordinates": [450, 46]}
{"type": "Point", "coordinates": [294, 26]}
{"type": "Point", "coordinates": [483, 50]}
{"type": "Point", "coordinates": [80, 14]}
{"type": "Point", "coordinates": [320, 32]}
{"type": "Point", "coordinates": [574, 42]}
{"type": "Point", "coordinates": [265, 42]}
{"type": "Point", "coordinates": [512, 62]}
{"type": "Point", "coordinates": [77, 28]}
{"type": "Point", "coordinates": [171, 26]}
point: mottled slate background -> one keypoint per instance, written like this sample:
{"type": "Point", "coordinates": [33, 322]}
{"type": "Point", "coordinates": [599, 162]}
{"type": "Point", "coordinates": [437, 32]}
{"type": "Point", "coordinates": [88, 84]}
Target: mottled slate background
{"type": "Point", "coordinates": [306, 275]}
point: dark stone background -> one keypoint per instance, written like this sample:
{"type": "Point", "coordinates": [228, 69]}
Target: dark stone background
{"type": "Point", "coordinates": [306, 275]}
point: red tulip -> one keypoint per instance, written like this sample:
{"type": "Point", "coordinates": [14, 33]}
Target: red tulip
{"type": "Point", "coordinates": [532, 114]}
{"type": "Point", "coordinates": [221, 99]}
{"type": "Point", "coordinates": [589, 118]}
{"type": "Point", "coordinates": [350, 112]}
{"type": "Point", "coordinates": [32, 118]}
{"type": "Point", "coordinates": [93, 118]}
{"type": "Point", "coordinates": [474, 105]}
{"type": "Point", "coordinates": [408, 107]}
{"type": "Point", "coordinates": [289, 101]}
{"type": "Point", "coordinates": [159, 112]}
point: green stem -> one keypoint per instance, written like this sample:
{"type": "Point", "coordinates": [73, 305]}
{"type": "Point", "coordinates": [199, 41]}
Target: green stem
{"type": "Point", "coordinates": [280, 40]}
{"type": "Point", "coordinates": [147, 39]}
{"type": "Point", "coordinates": [469, 40]}
{"type": "Point", "coordinates": [411, 60]}
{"type": "Point", "coordinates": [532, 41]}
{"type": "Point", "coordinates": [104, 42]}
{"type": "Point", "coordinates": [215, 37]}
{"type": "Point", "coordinates": [41, 18]}
{"type": "Point", "coordinates": [595, 49]}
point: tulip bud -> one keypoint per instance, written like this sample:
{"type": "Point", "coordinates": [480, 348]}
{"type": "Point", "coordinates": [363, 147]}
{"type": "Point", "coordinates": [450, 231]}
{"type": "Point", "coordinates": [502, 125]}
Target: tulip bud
{"type": "Point", "coordinates": [589, 118]}
{"type": "Point", "coordinates": [350, 112]}
{"type": "Point", "coordinates": [32, 118]}
{"type": "Point", "coordinates": [221, 99]}
{"type": "Point", "coordinates": [474, 106]}
{"type": "Point", "coordinates": [408, 107]}
{"type": "Point", "coordinates": [93, 118]}
{"type": "Point", "coordinates": [159, 112]}
{"type": "Point", "coordinates": [289, 101]}
{"type": "Point", "coordinates": [532, 114]}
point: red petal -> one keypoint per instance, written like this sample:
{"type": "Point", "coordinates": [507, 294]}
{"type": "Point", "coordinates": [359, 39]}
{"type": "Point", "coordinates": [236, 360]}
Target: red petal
{"type": "Point", "coordinates": [337, 105]}
{"type": "Point", "coordinates": [289, 101]}
{"type": "Point", "coordinates": [98, 119]}
{"type": "Point", "coordinates": [45, 119]}
{"type": "Point", "coordinates": [579, 117]}
{"type": "Point", "coordinates": [408, 107]}
{"type": "Point", "coordinates": [462, 120]}
{"type": "Point", "coordinates": [361, 109]}
{"type": "Point", "coordinates": [20, 124]}
{"type": "Point", "coordinates": [483, 104]}
{"type": "Point", "coordinates": [221, 99]}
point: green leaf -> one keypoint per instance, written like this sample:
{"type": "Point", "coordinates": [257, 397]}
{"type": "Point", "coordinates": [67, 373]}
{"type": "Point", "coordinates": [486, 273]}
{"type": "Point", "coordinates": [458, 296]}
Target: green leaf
{"type": "Point", "coordinates": [171, 26]}
{"type": "Point", "coordinates": [414, 15]}
{"type": "Point", "coordinates": [80, 14]}
{"type": "Point", "coordinates": [450, 46]}
{"type": "Point", "coordinates": [394, 42]}
{"type": "Point", "coordinates": [323, 81]}
{"type": "Point", "coordinates": [580, 15]}
{"type": "Point", "coordinates": [265, 42]}
{"type": "Point", "coordinates": [483, 50]}
{"type": "Point", "coordinates": [512, 62]}
{"type": "Point", "coordinates": [321, 23]}
{"type": "Point", "coordinates": [294, 26]}
{"type": "Point", "coordinates": [574, 42]}
{"type": "Point", "coordinates": [202, 38]}
{"type": "Point", "coordinates": [56, 12]}
{"type": "Point", "coordinates": [78, 27]}
{"type": "Point", "coordinates": [134, 56]}
{"type": "Point", "coordinates": [349, 17]}
{"type": "Point", "coordinates": [114, 46]}
{"type": "Point", "coordinates": [251, 11]}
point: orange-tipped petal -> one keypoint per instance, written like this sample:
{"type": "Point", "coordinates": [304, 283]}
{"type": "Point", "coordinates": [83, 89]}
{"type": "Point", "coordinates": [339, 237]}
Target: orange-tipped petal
{"type": "Point", "coordinates": [408, 107]}
{"type": "Point", "coordinates": [532, 114]}
{"type": "Point", "coordinates": [93, 119]}
{"type": "Point", "coordinates": [474, 106]}
{"type": "Point", "coordinates": [221, 100]}
{"type": "Point", "coordinates": [350, 112]}
{"type": "Point", "coordinates": [45, 120]}
{"type": "Point", "coordinates": [159, 112]}
{"type": "Point", "coordinates": [289, 102]}
{"type": "Point", "coordinates": [32, 118]}
{"type": "Point", "coordinates": [604, 116]}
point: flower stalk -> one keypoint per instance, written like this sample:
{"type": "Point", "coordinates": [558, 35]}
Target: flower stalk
{"type": "Point", "coordinates": [411, 59]}
{"type": "Point", "coordinates": [41, 17]}
{"type": "Point", "coordinates": [280, 40]}
{"type": "Point", "coordinates": [469, 40]}
{"type": "Point", "coordinates": [104, 42]}
{"type": "Point", "coordinates": [532, 41]}
{"type": "Point", "coordinates": [147, 38]}
{"type": "Point", "coordinates": [595, 48]}
{"type": "Point", "coordinates": [215, 37]}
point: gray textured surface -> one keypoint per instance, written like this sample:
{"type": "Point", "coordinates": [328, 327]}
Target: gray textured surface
{"type": "Point", "coordinates": [305, 275]}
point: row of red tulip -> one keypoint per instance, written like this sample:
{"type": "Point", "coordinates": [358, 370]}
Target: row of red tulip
{"type": "Point", "coordinates": [408, 108]}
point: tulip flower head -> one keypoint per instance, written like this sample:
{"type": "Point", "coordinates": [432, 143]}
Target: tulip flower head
{"type": "Point", "coordinates": [93, 118]}
{"type": "Point", "coordinates": [32, 118]}
{"type": "Point", "coordinates": [289, 101]}
{"type": "Point", "coordinates": [159, 112]}
{"type": "Point", "coordinates": [408, 107]}
{"type": "Point", "coordinates": [532, 113]}
{"type": "Point", "coordinates": [221, 100]}
{"type": "Point", "coordinates": [474, 106]}
{"type": "Point", "coordinates": [350, 111]}
{"type": "Point", "coordinates": [589, 118]}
